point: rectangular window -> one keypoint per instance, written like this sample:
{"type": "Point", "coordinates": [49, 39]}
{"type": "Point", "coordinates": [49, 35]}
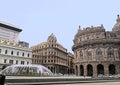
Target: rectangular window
{"type": "Point", "coordinates": [28, 55]}
{"type": "Point", "coordinates": [22, 54]}
{"type": "Point", "coordinates": [11, 61]}
{"type": "Point", "coordinates": [5, 60]}
{"type": "Point", "coordinates": [17, 53]}
{"type": "Point", "coordinates": [5, 51]}
{"type": "Point", "coordinates": [16, 61]}
{"type": "Point", "coordinates": [22, 62]}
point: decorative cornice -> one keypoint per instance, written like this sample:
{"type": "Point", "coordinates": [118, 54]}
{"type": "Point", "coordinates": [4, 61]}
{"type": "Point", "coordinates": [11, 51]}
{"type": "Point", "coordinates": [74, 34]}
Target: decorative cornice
{"type": "Point", "coordinates": [89, 30]}
{"type": "Point", "coordinates": [96, 41]}
{"type": "Point", "coordinates": [10, 27]}
{"type": "Point", "coordinates": [15, 45]}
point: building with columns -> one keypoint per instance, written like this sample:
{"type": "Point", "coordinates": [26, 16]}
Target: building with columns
{"type": "Point", "coordinates": [13, 51]}
{"type": "Point", "coordinates": [97, 51]}
{"type": "Point", "coordinates": [51, 54]}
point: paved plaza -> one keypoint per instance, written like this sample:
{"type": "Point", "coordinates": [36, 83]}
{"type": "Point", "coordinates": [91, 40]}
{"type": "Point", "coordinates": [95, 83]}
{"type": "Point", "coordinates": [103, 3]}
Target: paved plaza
{"type": "Point", "coordinates": [102, 83]}
{"type": "Point", "coordinates": [20, 80]}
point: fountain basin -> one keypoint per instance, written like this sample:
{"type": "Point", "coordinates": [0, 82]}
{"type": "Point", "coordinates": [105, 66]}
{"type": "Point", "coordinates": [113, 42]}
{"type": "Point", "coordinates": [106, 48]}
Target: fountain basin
{"type": "Point", "coordinates": [26, 70]}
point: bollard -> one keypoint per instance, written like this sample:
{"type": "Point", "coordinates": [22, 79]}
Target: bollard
{"type": "Point", "coordinates": [2, 79]}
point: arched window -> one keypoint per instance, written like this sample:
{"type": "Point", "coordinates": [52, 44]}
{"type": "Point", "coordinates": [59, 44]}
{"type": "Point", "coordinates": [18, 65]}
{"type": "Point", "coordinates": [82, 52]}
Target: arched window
{"type": "Point", "coordinates": [22, 54]}
{"type": "Point", "coordinates": [89, 70]}
{"type": "Point", "coordinates": [98, 53]}
{"type": "Point", "coordinates": [81, 70]}
{"type": "Point", "coordinates": [110, 52]}
{"type": "Point", "coordinates": [89, 54]}
{"type": "Point", "coordinates": [17, 53]}
{"type": "Point", "coordinates": [48, 67]}
{"type": "Point", "coordinates": [52, 45]}
{"type": "Point", "coordinates": [81, 55]}
{"type": "Point", "coordinates": [100, 69]}
{"type": "Point", "coordinates": [28, 55]}
{"type": "Point", "coordinates": [11, 52]}
{"type": "Point", "coordinates": [76, 70]}
{"type": "Point", "coordinates": [0, 50]}
{"type": "Point", "coordinates": [5, 51]}
{"type": "Point", "coordinates": [112, 69]}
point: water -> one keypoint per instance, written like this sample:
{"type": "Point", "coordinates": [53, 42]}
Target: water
{"type": "Point", "coordinates": [26, 70]}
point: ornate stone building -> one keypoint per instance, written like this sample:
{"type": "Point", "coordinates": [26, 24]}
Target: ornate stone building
{"type": "Point", "coordinates": [51, 54]}
{"type": "Point", "coordinates": [97, 51]}
{"type": "Point", "coordinates": [13, 51]}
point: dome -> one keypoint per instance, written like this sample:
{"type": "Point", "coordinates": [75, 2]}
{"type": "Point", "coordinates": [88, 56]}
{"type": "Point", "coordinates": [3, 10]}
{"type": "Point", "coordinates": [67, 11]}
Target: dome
{"type": "Point", "coordinates": [27, 70]}
{"type": "Point", "coordinates": [116, 27]}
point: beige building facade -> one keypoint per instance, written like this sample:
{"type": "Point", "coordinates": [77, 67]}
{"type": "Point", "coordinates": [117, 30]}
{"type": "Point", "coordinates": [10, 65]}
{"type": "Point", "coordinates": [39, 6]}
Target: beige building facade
{"type": "Point", "coordinates": [97, 51]}
{"type": "Point", "coordinates": [51, 54]}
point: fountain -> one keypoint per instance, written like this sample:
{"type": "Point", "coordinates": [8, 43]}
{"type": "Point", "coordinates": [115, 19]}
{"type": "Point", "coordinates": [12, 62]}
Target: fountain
{"type": "Point", "coordinates": [26, 70]}
{"type": "Point", "coordinates": [34, 75]}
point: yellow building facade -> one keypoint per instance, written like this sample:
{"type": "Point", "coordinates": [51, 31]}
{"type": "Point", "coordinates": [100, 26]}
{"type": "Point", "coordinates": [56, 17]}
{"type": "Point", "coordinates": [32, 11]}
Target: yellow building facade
{"type": "Point", "coordinates": [51, 54]}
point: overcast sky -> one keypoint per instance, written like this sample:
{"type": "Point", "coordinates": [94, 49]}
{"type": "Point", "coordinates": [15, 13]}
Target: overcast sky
{"type": "Point", "coordinates": [39, 18]}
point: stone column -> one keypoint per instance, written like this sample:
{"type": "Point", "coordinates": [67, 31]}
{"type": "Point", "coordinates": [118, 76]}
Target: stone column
{"type": "Point", "coordinates": [85, 70]}
{"type": "Point", "coordinates": [57, 69]}
{"type": "Point", "coordinates": [106, 69]}
{"type": "Point", "coordinates": [78, 70]}
{"type": "Point", "coordinates": [94, 70]}
{"type": "Point", "coordinates": [117, 69]}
